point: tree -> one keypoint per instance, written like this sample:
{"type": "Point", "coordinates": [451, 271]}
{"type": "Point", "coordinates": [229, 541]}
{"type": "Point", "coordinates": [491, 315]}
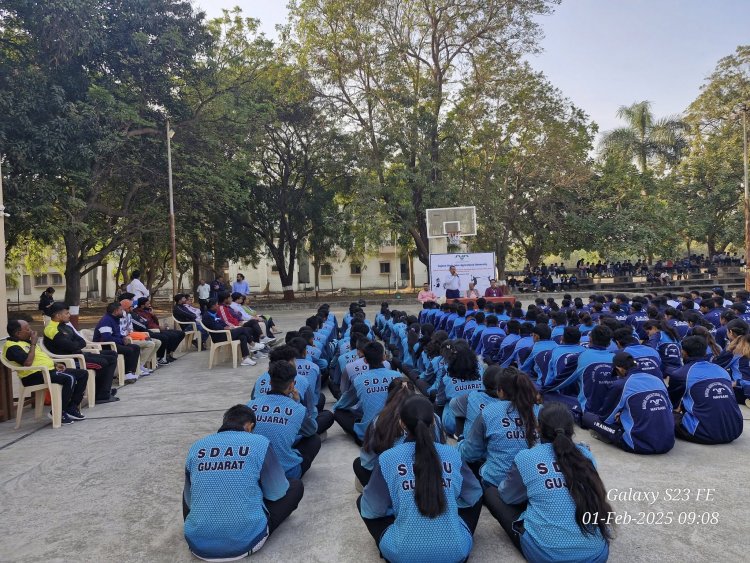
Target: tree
{"type": "Point", "coordinates": [393, 69]}
{"type": "Point", "coordinates": [83, 89]}
{"type": "Point", "coordinates": [644, 138]}
{"type": "Point", "coordinates": [712, 173]}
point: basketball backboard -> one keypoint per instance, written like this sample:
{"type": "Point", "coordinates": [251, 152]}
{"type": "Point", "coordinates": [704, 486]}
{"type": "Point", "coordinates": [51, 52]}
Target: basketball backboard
{"type": "Point", "coordinates": [444, 220]}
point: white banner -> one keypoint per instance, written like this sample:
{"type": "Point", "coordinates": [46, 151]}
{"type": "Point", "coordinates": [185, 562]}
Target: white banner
{"type": "Point", "coordinates": [478, 267]}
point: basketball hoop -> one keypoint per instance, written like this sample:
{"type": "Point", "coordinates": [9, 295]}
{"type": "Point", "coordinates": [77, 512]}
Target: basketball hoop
{"type": "Point", "coordinates": [454, 238]}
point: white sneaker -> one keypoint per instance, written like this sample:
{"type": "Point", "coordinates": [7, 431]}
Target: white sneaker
{"type": "Point", "coordinates": [130, 378]}
{"type": "Point", "coordinates": [145, 371]}
{"type": "Point", "coordinates": [266, 340]}
{"type": "Point", "coordinates": [248, 362]}
{"type": "Point", "coordinates": [257, 347]}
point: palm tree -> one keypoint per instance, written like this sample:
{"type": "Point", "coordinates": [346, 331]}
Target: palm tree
{"type": "Point", "coordinates": [645, 138]}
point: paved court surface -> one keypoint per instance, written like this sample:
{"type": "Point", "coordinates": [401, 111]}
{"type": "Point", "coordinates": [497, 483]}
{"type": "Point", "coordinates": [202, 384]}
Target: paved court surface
{"type": "Point", "coordinates": [109, 488]}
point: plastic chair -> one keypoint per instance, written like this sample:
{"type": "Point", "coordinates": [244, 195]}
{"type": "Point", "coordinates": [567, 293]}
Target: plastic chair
{"type": "Point", "coordinates": [232, 345]}
{"type": "Point", "coordinates": [190, 335]}
{"type": "Point", "coordinates": [79, 361]}
{"type": "Point", "coordinates": [54, 389]}
{"type": "Point", "coordinates": [94, 347]}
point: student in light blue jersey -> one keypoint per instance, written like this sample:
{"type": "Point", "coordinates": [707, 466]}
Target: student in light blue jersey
{"type": "Point", "coordinates": [422, 502]}
{"type": "Point", "coordinates": [385, 430]}
{"type": "Point", "coordinates": [288, 354]}
{"type": "Point", "coordinates": [462, 376]}
{"type": "Point", "coordinates": [285, 422]}
{"type": "Point", "coordinates": [235, 493]}
{"type": "Point", "coordinates": [504, 426]}
{"type": "Point", "coordinates": [366, 397]}
{"type": "Point", "coordinates": [636, 415]}
{"type": "Point", "coordinates": [436, 365]}
{"type": "Point", "coordinates": [551, 494]}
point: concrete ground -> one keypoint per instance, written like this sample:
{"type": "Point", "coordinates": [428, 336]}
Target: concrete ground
{"type": "Point", "coordinates": [109, 488]}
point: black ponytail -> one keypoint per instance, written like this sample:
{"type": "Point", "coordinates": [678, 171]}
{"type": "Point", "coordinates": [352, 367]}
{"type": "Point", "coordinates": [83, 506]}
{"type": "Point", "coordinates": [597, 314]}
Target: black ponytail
{"type": "Point", "coordinates": [581, 477]}
{"type": "Point", "coordinates": [522, 393]}
{"type": "Point", "coordinates": [417, 415]}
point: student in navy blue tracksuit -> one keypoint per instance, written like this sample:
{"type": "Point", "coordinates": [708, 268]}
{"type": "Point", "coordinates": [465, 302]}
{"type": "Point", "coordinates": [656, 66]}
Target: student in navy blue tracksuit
{"type": "Point", "coordinates": [422, 502]}
{"type": "Point", "coordinates": [552, 493]}
{"type": "Point", "coordinates": [665, 340]}
{"type": "Point", "coordinates": [593, 374]}
{"type": "Point", "coordinates": [708, 411]}
{"type": "Point", "coordinates": [637, 414]}
{"type": "Point", "coordinates": [647, 358]}
{"type": "Point", "coordinates": [736, 359]}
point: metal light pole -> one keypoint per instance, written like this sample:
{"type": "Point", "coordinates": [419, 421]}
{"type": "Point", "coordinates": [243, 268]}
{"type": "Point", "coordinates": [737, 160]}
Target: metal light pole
{"type": "Point", "coordinates": [173, 238]}
{"type": "Point", "coordinates": [747, 197]}
{"type": "Point", "coordinates": [3, 294]}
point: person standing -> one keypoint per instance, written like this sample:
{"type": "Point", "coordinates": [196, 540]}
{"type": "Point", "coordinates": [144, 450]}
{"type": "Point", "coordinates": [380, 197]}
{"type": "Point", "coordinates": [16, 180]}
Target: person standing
{"type": "Point", "coordinates": [204, 293]}
{"type": "Point", "coordinates": [46, 300]}
{"type": "Point", "coordinates": [452, 284]}
{"type": "Point", "coordinates": [217, 286]}
{"type": "Point", "coordinates": [136, 287]}
{"type": "Point", "coordinates": [240, 286]}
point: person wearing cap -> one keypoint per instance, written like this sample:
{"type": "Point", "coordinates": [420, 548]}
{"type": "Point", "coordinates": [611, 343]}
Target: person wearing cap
{"type": "Point", "coordinates": [149, 347]}
{"type": "Point", "coordinates": [426, 295]}
{"type": "Point", "coordinates": [452, 284]}
{"type": "Point", "coordinates": [636, 415]}
{"type": "Point", "coordinates": [494, 290]}
{"type": "Point", "coordinates": [61, 338]}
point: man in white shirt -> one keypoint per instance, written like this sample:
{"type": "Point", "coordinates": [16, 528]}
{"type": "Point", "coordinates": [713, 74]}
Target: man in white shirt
{"type": "Point", "coordinates": [136, 287]}
{"type": "Point", "coordinates": [204, 291]}
{"type": "Point", "coordinates": [452, 284]}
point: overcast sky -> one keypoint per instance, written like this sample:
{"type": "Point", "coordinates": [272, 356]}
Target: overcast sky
{"type": "Point", "coordinates": [606, 53]}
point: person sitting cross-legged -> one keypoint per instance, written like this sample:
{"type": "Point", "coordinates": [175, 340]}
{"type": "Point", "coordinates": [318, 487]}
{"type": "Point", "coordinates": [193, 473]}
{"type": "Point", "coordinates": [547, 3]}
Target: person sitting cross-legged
{"type": "Point", "coordinates": [21, 350]}
{"type": "Point", "coordinates": [235, 494]}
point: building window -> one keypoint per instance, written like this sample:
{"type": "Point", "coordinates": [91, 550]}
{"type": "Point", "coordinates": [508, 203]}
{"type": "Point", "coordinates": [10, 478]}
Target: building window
{"type": "Point", "coordinates": [404, 269]}
{"type": "Point", "coordinates": [56, 279]}
{"type": "Point", "coordinates": [274, 268]}
{"type": "Point", "coordinates": [41, 279]}
{"type": "Point", "coordinates": [326, 270]}
{"type": "Point", "coordinates": [355, 269]}
{"type": "Point", "coordinates": [385, 267]}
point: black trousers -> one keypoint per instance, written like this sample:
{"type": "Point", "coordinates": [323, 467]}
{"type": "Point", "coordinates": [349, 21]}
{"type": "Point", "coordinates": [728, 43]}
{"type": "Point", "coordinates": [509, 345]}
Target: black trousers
{"type": "Point", "coordinates": [308, 448]}
{"type": "Point", "coordinates": [107, 359]}
{"type": "Point", "coordinates": [378, 526]}
{"type": "Point", "coordinates": [73, 382]}
{"type": "Point", "coordinates": [347, 419]}
{"type": "Point", "coordinates": [505, 514]}
{"type": "Point", "coordinates": [203, 304]}
{"type": "Point", "coordinates": [325, 420]}
{"type": "Point", "coordinates": [363, 475]}
{"type": "Point", "coordinates": [237, 334]}
{"type": "Point", "coordinates": [132, 353]}
{"type": "Point", "coordinates": [170, 340]}
{"type": "Point", "coordinates": [681, 433]}
{"type": "Point", "coordinates": [278, 510]}
{"type": "Point", "coordinates": [255, 332]}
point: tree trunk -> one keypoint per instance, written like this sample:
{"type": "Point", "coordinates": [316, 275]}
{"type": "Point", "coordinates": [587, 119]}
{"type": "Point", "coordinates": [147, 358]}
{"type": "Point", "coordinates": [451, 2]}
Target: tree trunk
{"type": "Point", "coordinates": [533, 255]}
{"type": "Point", "coordinates": [72, 271]}
{"type": "Point", "coordinates": [103, 283]}
{"type": "Point", "coordinates": [286, 273]}
{"type": "Point", "coordinates": [711, 244]}
{"type": "Point", "coordinates": [410, 263]}
{"type": "Point", "coordinates": [196, 262]}
{"type": "Point", "coordinates": [316, 273]}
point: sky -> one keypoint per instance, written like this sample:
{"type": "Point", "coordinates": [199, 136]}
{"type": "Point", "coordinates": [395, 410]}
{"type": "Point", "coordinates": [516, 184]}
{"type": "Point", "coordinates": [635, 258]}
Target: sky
{"type": "Point", "coordinates": [603, 54]}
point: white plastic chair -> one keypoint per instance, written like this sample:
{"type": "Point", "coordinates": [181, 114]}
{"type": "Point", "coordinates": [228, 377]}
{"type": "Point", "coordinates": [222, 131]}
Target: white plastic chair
{"type": "Point", "coordinates": [190, 335]}
{"type": "Point", "coordinates": [94, 347]}
{"type": "Point", "coordinates": [215, 348]}
{"type": "Point", "coordinates": [54, 389]}
{"type": "Point", "coordinates": [79, 361]}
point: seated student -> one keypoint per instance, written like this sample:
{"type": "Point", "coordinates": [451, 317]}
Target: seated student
{"type": "Point", "coordinates": [513, 329]}
{"type": "Point", "coordinates": [284, 420]}
{"type": "Point", "coordinates": [366, 397]}
{"type": "Point", "coordinates": [20, 349]}
{"type": "Point", "coordinates": [355, 369]}
{"type": "Point", "coordinates": [505, 425]}
{"type": "Point", "coordinates": [313, 351]}
{"type": "Point", "coordinates": [491, 339]}
{"type": "Point", "coordinates": [385, 430]}
{"type": "Point", "coordinates": [703, 396]}
{"type": "Point", "coordinates": [236, 493]}
{"type": "Point", "coordinates": [546, 501]}
{"type": "Point", "coordinates": [466, 408]}
{"type": "Point", "coordinates": [471, 325]}
{"type": "Point", "coordinates": [711, 311]}
{"type": "Point", "coordinates": [421, 486]}
{"type": "Point", "coordinates": [562, 364]}
{"type": "Point", "coordinates": [559, 322]}
{"type": "Point", "coordinates": [675, 319]}
{"type": "Point", "coordinates": [436, 364]}
{"type": "Point", "coordinates": [593, 373]}
{"type": "Point", "coordinates": [636, 415]}
{"type": "Point", "coordinates": [212, 321]}
{"type": "Point", "coordinates": [149, 346]}
{"type": "Point", "coordinates": [184, 314]}
{"type": "Point", "coordinates": [461, 377]}
{"type": "Point", "coordinates": [61, 338]}
{"type": "Point", "coordinates": [307, 369]}
{"type": "Point", "coordinates": [646, 357]}
{"type": "Point", "coordinates": [457, 326]}
{"type": "Point", "coordinates": [736, 359]}
{"type": "Point", "coordinates": [522, 348]}
{"type": "Point", "coordinates": [665, 340]}
{"type": "Point", "coordinates": [637, 318]}
{"type": "Point", "coordinates": [287, 353]}
{"type": "Point", "coordinates": [108, 330]}
{"type": "Point", "coordinates": [536, 363]}
{"type": "Point", "coordinates": [144, 319]}
{"type": "Point", "coordinates": [587, 322]}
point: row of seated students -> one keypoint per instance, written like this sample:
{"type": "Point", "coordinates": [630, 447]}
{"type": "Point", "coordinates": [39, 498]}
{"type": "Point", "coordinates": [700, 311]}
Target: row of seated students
{"type": "Point", "coordinates": [422, 498]}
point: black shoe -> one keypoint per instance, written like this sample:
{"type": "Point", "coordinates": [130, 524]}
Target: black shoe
{"type": "Point", "coordinates": [110, 399]}
{"type": "Point", "coordinates": [64, 418]}
{"type": "Point", "coordinates": [113, 392]}
{"type": "Point", "coordinates": [162, 361]}
{"type": "Point", "coordinates": [171, 359]}
{"type": "Point", "coordinates": [75, 413]}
